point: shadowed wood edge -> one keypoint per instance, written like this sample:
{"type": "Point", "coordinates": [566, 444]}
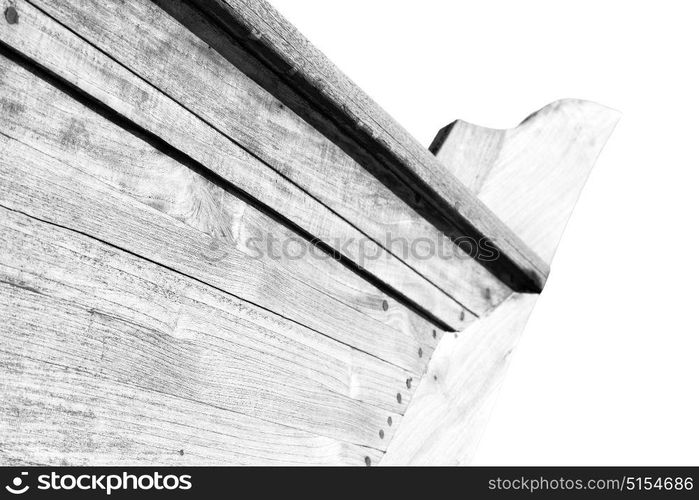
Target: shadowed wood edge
{"type": "Point", "coordinates": [547, 157]}
{"type": "Point", "coordinates": [260, 29]}
{"type": "Point", "coordinates": [531, 175]}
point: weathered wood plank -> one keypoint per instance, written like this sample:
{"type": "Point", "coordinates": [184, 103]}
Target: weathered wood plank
{"type": "Point", "coordinates": [182, 65]}
{"type": "Point", "coordinates": [61, 52]}
{"type": "Point", "coordinates": [49, 187]}
{"type": "Point", "coordinates": [51, 121]}
{"type": "Point", "coordinates": [73, 302]}
{"type": "Point", "coordinates": [468, 151]}
{"type": "Point", "coordinates": [54, 415]}
{"type": "Point", "coordinates": [261, 29]}
{"type": "Point", "coordinates": [451, 406]}
{"type": "Point", "coordinates": [537, 169]}
{"type": "Point", "coordinates": [530, 176]}
{"type": "Point", "coordinates": [172, 305]}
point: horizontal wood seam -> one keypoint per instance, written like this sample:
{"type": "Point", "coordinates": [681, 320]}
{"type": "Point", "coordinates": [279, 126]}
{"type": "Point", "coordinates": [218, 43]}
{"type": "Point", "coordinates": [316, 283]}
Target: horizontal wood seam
{"type": "Point", "coordinates": [43, 221]}
{"type": "Point", "coordinates": [172, 150]}
{"type": "Point", "coordinates": [180, 397]}
{"type": "Point", "coordinates": [310, 112]}
{"type": "Point", "coordinates": [518, 266]}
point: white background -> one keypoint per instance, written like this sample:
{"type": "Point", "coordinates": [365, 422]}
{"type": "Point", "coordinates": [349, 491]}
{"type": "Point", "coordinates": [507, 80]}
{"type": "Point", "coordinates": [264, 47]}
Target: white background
{"type": "Point", "coordinates": [608, 367]}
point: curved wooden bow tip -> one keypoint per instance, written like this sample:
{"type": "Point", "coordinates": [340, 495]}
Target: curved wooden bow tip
{"type": "Point", "coordinates": [530, 175]}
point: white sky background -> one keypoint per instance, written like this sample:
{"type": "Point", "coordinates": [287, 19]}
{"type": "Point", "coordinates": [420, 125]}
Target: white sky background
{"type": "Point", "coordinates": [608, 369]}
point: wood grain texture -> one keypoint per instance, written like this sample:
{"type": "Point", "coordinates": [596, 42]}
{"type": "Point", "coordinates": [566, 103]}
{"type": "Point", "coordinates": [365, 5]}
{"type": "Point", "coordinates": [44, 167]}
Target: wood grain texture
{"type": "Point", "coordinates": [468, 151]}
{"type": "Point", "coordinates": [530, 176]}
{"type": "Point", "coordinates": [90, 332]}
{"type": "Point", "coordinates": [50, 121]}
{"type": "Point", "coordinates": [451, 406]}
{"type": "Point", "coordinates": [59, 416]}
{"type": "Point", "coordinates": [54, 176]}
{"type": "Point", "coordinates": [68, 56]}
{"type": "Point", "coordinates": [126, 269]}
{"type": "Point", "coordinates": [263, 31]}
{"type": "Point", "coordinates": [210, 85]}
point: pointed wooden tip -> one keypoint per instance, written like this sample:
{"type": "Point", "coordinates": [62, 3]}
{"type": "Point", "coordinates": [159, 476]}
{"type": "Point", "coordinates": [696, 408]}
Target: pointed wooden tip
{"type": "Point", "coordinates": [530, 175]}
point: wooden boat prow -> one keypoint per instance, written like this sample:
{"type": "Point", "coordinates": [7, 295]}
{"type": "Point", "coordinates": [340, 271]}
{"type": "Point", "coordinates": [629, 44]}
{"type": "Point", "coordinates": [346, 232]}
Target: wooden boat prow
{"type": "Point", "coordinates": [204, 233]}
